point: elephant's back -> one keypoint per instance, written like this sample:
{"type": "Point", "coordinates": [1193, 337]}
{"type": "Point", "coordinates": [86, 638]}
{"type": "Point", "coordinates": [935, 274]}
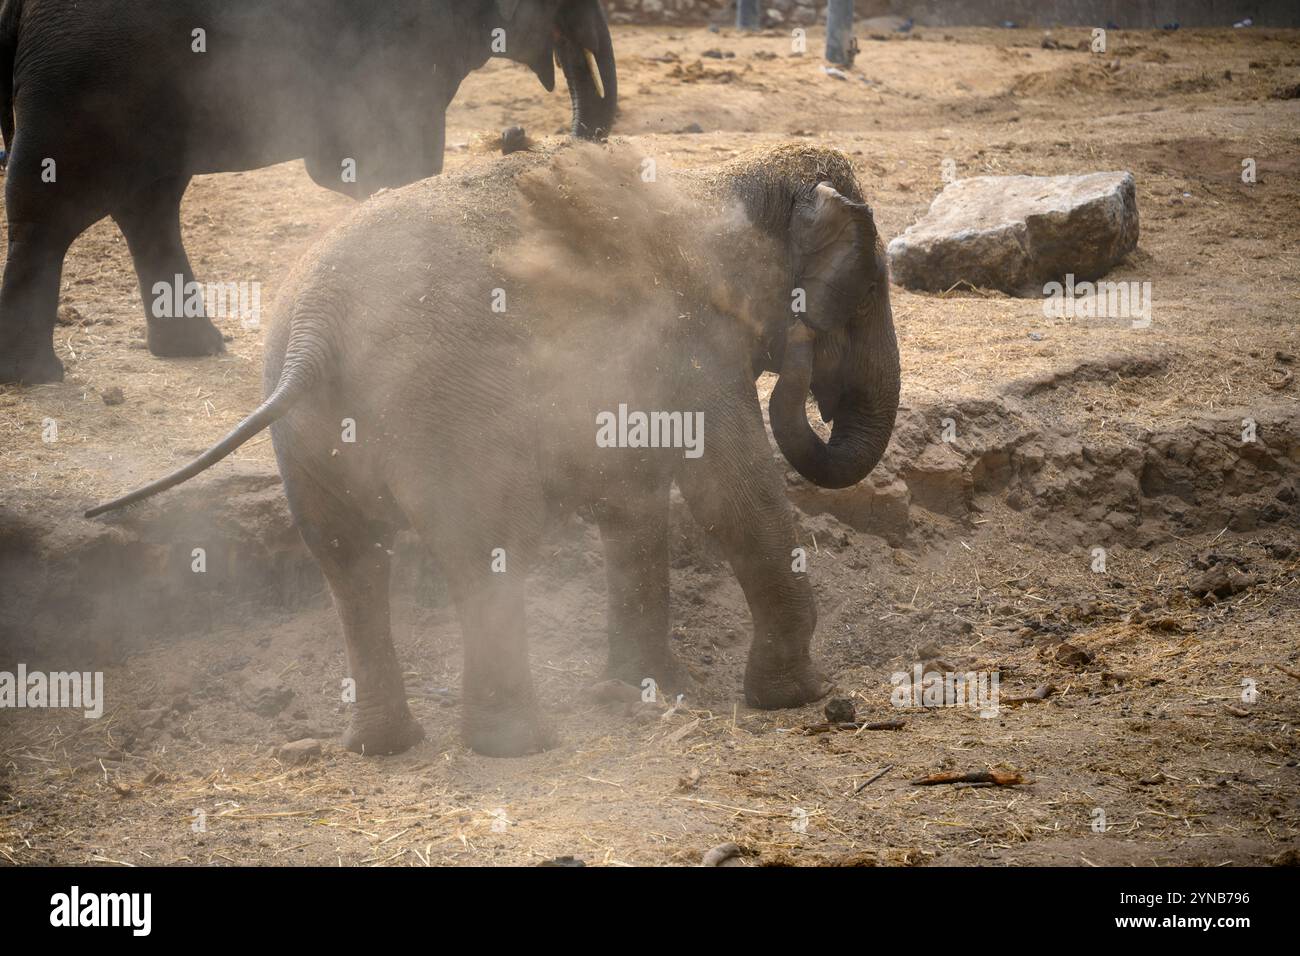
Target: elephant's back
{"type": "Point", "coordinates": [402, 290]}
{"type": "Point", "coordinates": [477, 203]}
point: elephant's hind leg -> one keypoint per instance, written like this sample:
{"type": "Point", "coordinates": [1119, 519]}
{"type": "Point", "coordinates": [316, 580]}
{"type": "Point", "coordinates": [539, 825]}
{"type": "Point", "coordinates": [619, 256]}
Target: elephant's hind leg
{"type": "Point", "coordinates": [151, 221]}
{"type": "Point", "coordinates": [353, 553]}
{"type": "Point", "coordinates": [483, 538]}
{"type": "Point", "coordinates": [500, 717]}
{"type": "Point", "coordinates": [44, 219]}
{"type": "Point", "coordinates": [634, 531]}
{"type": "Point", "coordinates": [29, 301]}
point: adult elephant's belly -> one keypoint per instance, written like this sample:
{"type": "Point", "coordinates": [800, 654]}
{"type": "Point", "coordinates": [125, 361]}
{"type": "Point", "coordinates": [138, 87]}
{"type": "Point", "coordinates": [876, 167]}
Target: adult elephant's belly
{"type": "Point", "coordinates": [221, 136]}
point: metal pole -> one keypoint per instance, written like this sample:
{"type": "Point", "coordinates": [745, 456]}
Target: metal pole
{"type": "Point", "coordinates": [840, 45]}
{"type": "Point", "coordinates": [746, 14]}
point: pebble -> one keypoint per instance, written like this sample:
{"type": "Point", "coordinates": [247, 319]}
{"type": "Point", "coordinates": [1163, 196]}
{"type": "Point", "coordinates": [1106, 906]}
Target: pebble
{"type": "Point", "coordinates": [299, 751]}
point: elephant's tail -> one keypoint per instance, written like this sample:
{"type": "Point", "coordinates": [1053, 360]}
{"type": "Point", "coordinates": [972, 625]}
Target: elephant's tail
{"type": "Point", "coordinates": [10, 14]}
{"type": "Point", "coordinates": [301, 371]}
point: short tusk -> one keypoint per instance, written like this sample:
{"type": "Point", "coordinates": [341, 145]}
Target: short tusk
{"type": "Point", "coordinates": [595, 73]}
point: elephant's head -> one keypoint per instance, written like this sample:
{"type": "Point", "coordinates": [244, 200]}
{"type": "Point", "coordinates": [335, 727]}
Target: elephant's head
{"type": "Point", "coordinates": [841, 347]}
{"type": "Point", "coordinates": [574, 33]}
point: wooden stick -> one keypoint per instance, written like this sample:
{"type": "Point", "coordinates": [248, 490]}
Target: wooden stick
{"type": "Point", "coordinates": [1001, 778]}
{"type": "Point", "coordinates": [866, 783]}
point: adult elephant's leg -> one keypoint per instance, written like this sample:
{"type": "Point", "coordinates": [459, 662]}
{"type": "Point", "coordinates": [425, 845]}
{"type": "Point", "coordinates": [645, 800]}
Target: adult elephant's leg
{"type": "Point", "coordinates": [331, 172]}
{"type": "Point", "coordinates": [634, 531]}
{"type": "Point", "coordinates": [29, 302]}
{"type": "Point", "coordinates": [353, 553]}
{"type": "Point", "coordinates": [44, 219]}
{"type": "Point", "coordinates": [735, 491]}
{"type": "Point", "coordinates": [150, 218]}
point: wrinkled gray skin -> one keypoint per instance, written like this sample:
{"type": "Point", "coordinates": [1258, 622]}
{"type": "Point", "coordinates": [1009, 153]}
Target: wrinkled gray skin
{"type": "Point", "coordinates": [469, 428]}
{"type": "Point", "coordinates": [115, 94]}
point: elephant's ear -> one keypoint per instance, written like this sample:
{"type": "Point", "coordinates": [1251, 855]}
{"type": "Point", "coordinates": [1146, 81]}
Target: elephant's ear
{"type": "Point", "coordinates": [507, 9]}
{"type": "Point", "coordinates": [832, 247]}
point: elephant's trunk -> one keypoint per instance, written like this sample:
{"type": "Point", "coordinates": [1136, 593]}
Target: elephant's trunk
{"type": "Point", "coordinates": [864, 412]}
{"type": "Point", "coordinates": [586, 55]}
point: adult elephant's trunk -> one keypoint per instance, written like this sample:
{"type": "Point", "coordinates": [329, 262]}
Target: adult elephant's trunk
{"type": "Point", "coordinates": [586, 55]}
{"type": "Point", "coordinates": [864, 410]}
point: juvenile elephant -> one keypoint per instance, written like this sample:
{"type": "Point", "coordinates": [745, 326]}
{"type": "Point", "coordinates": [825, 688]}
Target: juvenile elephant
{"type": "Point", "coordinates": [493, 365]}
{"type": "Point", "coordinates": [120, 102]}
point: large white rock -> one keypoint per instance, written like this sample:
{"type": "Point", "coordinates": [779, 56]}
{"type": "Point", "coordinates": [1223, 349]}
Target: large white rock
{"type": "Point", "coordinates": [1016, 233]}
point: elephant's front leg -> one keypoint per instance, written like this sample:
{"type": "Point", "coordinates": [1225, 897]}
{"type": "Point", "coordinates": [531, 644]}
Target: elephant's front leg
{"type": "Point", "coordinates": [634, 530]}
{"type": "Point", "coordinates": [735, 491]}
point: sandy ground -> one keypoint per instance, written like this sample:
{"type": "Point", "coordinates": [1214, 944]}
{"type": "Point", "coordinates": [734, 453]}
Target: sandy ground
{"type": "Point", "coordinates": [975, 556]}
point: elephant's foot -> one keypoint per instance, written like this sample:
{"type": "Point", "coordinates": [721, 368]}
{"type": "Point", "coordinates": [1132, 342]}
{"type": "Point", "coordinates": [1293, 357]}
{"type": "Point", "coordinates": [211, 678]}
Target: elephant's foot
{"type": "Point", "coordinates": [387, 734]}
{"type": "Point", "coordinates": [507, 733]}
{"type": "Point", "coordinates": [184, 337]}
{"type": "Point", "coordinates": [37, 370]}
{"type": "Point", "coordinates": [787, 685]}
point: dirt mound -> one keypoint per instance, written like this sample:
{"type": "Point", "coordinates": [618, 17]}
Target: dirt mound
{"type": "Point", "coordinates": [1019, 449]}
{"type": "Point", "coordinates": [1090, 78]}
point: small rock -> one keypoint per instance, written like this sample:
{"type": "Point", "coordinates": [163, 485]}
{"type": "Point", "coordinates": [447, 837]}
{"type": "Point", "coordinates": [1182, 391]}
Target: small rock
{"type": "Point", "coordinates": [1068, 655]}
{"type": "Point", "coordinates": [1221, 581]}
{"type": "Point", "coordinates": [613, 692]}
{"type": "Point", "coordinates": [299, 751]}
{"type": "Point", "coordinates": [266, 697]}
{"type": "Point", "coordinates": [724, 854]}
{"type": "Point", "coordinates": [112, 396]}
{"type": "Point", "coordinates": [644, 714]}
{"type": "Point", "coordinates": [840, 710]}
{"type": "Point", "coordinates": [513, 140]}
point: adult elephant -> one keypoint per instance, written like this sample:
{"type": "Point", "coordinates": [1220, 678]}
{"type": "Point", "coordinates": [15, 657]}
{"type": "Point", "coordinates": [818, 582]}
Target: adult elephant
{"type": "Point", "coordinates": [120, 102]}
{"type": "Point", "coordinates": [592, 354]}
